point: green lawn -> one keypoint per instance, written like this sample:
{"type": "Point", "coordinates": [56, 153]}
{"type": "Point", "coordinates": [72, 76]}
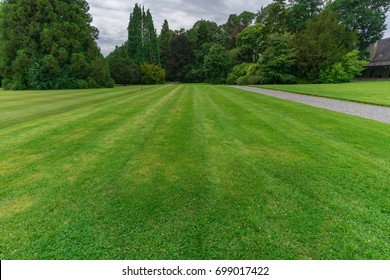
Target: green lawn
{"type": "Point", "coordinates": [366, 92]}
{"type": "Point", "coordinates": [189, 172]}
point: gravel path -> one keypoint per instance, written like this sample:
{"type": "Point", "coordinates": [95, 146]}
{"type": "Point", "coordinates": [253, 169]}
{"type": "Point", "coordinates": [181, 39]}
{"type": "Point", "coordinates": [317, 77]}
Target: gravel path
{"type": "Point", "coordinates": [373, 112]}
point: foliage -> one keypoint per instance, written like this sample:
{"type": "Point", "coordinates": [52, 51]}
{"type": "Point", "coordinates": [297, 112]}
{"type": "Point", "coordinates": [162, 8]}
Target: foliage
{"type": "Point", "coordinates": [300, 11]}
{"type": "Point", "coordinates": [142, 44]}
{"type": "Point", "coordinates": [39, 40]}
{"type": "Point", "coordinates": [152, 74]}
{"type": "Point", "coordinates": [234, 25]}
{"type": "Point", "coordinates": [180, 56]}
{"type": "Point", "coordinates": [203, 32]}
{"type": "Point", "coordinates": [243, 74]}
{"type": "Point", "coordinates": [251, 42]}
{"type": "Point", "coordinates": [122, 69]}
{"type": "Point", "coordinates": [324, 42]}
{"type": "Point", "coordinates": [166, 35]}
{"type": "Point", "coordinates": [367, 17]}
{"type": "Point", "coordinates": [345, 71]}
{"type": "Point", "coordinates": [216, 64]}
{"type": "Point", "coordinates": [273, 17]}
{"type": "Point", "coordinates": [276, 63]}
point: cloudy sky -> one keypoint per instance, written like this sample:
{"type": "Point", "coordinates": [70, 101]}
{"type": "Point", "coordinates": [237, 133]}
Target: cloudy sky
{"type": "Point", "coordinates": [112, 17]}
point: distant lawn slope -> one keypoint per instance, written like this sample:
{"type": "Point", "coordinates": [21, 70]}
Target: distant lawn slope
{"type": "Point", "coordinates": [366, 92]}
{"type": "Point", "coordinates": [189, 172]}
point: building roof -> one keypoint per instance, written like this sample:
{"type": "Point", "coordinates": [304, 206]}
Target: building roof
{"type": "Point", "coordinates": [381, 53]}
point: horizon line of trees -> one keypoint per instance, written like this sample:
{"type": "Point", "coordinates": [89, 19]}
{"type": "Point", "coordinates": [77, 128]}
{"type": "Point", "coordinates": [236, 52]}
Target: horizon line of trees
{"type": "Point", "coordinates": [313, 41]}
{"type": "Point", "coordinates": [51, 44]}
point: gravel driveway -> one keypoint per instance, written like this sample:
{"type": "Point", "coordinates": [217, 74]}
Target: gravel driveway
{"type": "Point", "coordinates": [373, 112]}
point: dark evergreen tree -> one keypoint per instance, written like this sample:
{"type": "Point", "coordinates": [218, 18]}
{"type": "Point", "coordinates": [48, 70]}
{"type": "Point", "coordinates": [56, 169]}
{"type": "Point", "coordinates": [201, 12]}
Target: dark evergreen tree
{"type": "Point", "coordinates": [123, 70]}
{"type": "Point", "coordinates": [180, 58]}
{"type": "Point", "coordinates": [165, 38]}
{"type": "Point", "coordinates": [324, 42]}
{"type": "Point", "coordinates": [50, 44]}
{"type": "Point", "coordinates": [1, 53]}
{"type": "Point", "coordinates": [151, 41]}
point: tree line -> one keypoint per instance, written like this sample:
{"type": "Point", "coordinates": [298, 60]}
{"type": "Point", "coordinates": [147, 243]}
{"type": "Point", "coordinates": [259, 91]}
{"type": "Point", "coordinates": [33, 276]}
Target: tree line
{"type": "Point", "coordinates": [50, 44]}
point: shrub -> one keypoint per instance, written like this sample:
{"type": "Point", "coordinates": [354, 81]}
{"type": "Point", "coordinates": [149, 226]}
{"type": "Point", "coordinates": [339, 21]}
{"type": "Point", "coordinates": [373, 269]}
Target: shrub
{"type": "Point", "coordinates": [345, 71]}
{"type": "Point", "coordinates": [152, 74]}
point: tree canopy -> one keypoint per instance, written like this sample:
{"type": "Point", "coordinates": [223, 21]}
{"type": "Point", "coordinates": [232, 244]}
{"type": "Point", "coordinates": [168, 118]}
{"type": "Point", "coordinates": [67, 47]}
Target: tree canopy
{"type": "Point", "coordinates": [50, 44]}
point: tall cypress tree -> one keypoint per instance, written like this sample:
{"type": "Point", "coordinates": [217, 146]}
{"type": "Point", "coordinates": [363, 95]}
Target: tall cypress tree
{"type": "Point", "coordinates": [142, 37]}
{"type": "Point", "coordinates": [50, 44]}
{"type": "Point", "coordinates": [135, 34]}
{"type": "Point", "coordinates": [164, 40]}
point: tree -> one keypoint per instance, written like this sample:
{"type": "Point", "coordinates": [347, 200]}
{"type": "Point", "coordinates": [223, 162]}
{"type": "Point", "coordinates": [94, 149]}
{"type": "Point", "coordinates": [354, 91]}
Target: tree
{"type": "Point", "coordinates": [204, 31]}
{"type": "Point", "coordinates": [367, 17]}
{"type": "Point", "coordinates": [1, 56]}
{"type": "Point", "coordinates": [216, 64]}
{"type": "Point", "coordinates": [324, 42]}
{"type": "Point", "coordinates": [151, 41]}
{"type": "Point", "coordinates": [135, 36]}
{"type": "Point", "coordinates": [300, 11]}
{"type": "Point", "coordinates": [276, 63]}
{"type": "Point", "coordinates": [180, 57]}
{"type": "Point", "coordinates": [142, 37]}
{"type": "Point", "coordinates": [234, 25]}
{"type": "Point", "coordinates": [251, 43]}
{"type": "Point", "coordinates": [122, 69]}
{"type": "Point", "coordinates": [344, 71]}
{"type": "Point", "coordinates": [164, 39]}
{"type": "Point", "coordinates": [40, 41]}
{"type": "Point", "coordinates": [273, 17]}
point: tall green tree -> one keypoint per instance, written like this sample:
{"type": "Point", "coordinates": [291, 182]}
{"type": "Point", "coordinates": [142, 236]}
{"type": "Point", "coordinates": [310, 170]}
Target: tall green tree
{"type": "Point", "coordinates": [180, 58]}
{"type": "Point", "coordinates": [164, 39]}
{"type": "Point", "coordinates": [204, 31]}
{"type": "Point", "coordinates": [142, 44]}
{"type": "Point", "coordinates": [324, 42]}
{"type": "Point", "coordinates": [367, 17]}
{"type": "Point", "coordinates": [122, 69]}
{"type": "Point", "coordinates": [50, 44]}
{"type": "Point", "coordinates": [274, 17]}
{"type": "Point", "coordinates": [1, 53]}
{"type": "Point", "coordinates": [135, 36]}
{"type": "Point", "coordinates": [251, 42]}
{"type": "Point", "coordinates": [277, 62]}
{"type": "Point", "coordinates": [234, 25]}
{"type": "Point", "coordinates": [217, 64]}
{"type": "Point", "coordinates": [300, 11]}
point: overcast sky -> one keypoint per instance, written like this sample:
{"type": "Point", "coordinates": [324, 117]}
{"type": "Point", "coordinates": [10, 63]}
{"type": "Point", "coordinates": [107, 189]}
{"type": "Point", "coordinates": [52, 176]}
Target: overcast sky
{"type": "Point", "coordinates": [112, 17]}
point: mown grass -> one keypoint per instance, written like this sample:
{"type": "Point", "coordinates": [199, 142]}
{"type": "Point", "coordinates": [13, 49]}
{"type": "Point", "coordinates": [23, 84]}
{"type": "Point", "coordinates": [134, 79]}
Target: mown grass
{"type": "Point", "coordinates": [189, 172]}
{"type": "Point", "coordinates": [377, 93]}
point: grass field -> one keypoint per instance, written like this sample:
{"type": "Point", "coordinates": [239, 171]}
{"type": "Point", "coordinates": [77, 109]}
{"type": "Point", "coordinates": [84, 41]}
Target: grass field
{"type": "Point", "coordinates": [189, 172]}
{"type": "Point", "coordinates": [377, 93]}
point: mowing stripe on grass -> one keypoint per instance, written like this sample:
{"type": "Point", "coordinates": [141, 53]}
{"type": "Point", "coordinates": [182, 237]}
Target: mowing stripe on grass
{"type": "Point", "coordinates": [193, 172]}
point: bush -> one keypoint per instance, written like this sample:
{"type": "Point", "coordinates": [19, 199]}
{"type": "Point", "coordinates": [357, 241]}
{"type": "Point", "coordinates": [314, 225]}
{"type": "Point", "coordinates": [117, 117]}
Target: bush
{"type": "Point", "coordinates": [152, 74]}
{"type": "Point", "coordinates": [345, 71]}
{"type": "Point", "coordinates": [124, 71]}
{"type": "Point", "coordinates": [250, 79]}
